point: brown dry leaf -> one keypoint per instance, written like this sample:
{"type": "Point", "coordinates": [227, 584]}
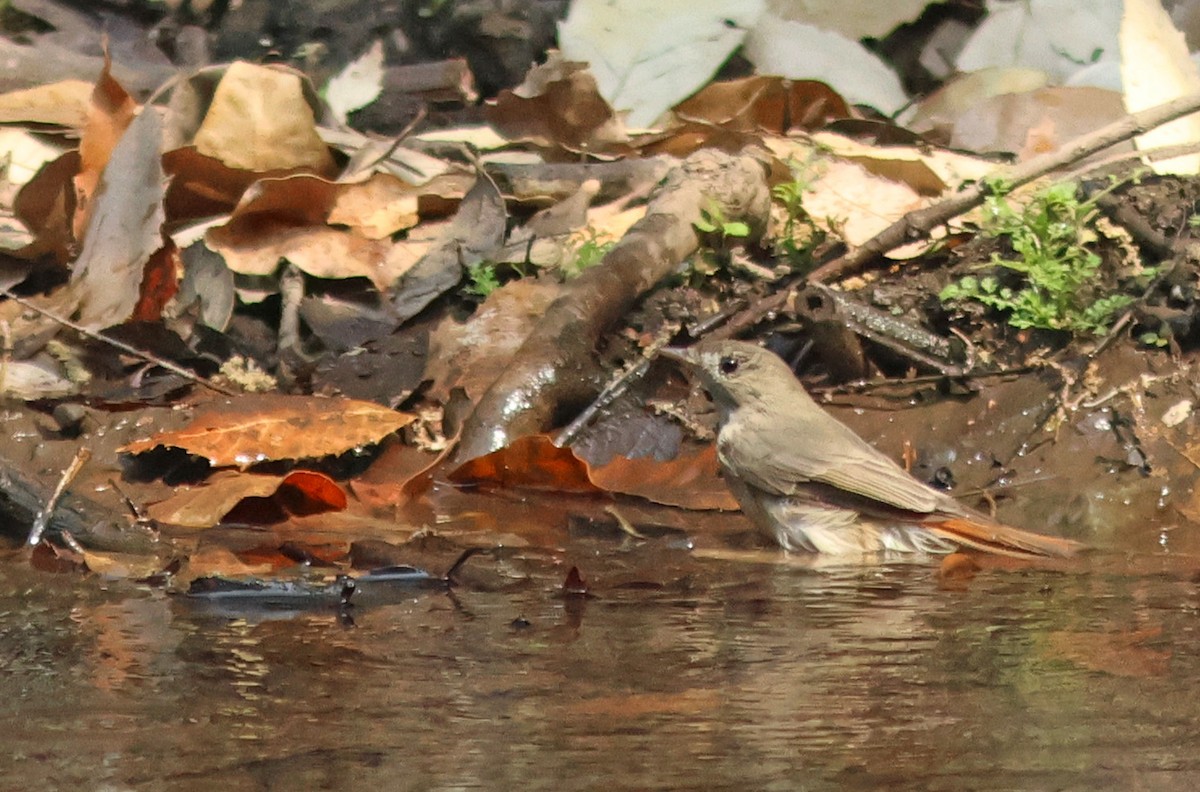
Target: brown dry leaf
{"type": "Point", "coordinates": [260, 120]}
{"type": "Point", "coordinates": [765, 103]}
{"type": "Point", "coordinates": [46, 206]}
{"type": "Point", "coordinates": [1119, 653]}
{"type": "Point", "coordinates": [688, 481]}
{"type": "Point", "coordinates": [202, 186]}
{"type": "Point", "coordinates": [267, 427]}
{"type": "Point", "coordinates": [400, 473]}
{"type": "Point", "coordinates": [289, 217]}
{"type": "Point", "coordinates": [299, 492]}
{"type": "Point", "coordinates": [928, 171]}
{"type": "Point", "coordinates": [111, 111]}
{"type": "Point", "coordinates": [66, 103]}
{"type": "Point", "coordinates": [377, 208]}
{"type": "Point", "coordinates": [160, 283]}
{"type": "Point", "coordinates": [125, 226]}
{"type": "Point", "coordinates": [532, 462]}
{"type": "Point", "coordinates": [317, 250]}
{"type": "Point", "coordinates": [558, 105]}
{"type": "Point", "coordinates": [939, 112]}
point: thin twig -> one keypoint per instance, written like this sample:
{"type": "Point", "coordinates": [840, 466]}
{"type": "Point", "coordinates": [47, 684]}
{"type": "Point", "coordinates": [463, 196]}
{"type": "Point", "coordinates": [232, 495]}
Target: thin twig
{"type": "Point", "coordinates": [43, 517]}
{"type": "Point", "coordinates": [859, 386]}
{"type": "Point", "coordinates": [121, 345]}
{"type": "Point", "coordinates": [615, 388]}
{"type": "Point", "coordinates": [607, 397]}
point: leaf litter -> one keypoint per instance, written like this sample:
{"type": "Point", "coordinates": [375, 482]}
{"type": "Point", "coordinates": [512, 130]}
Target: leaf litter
{"type": "Point", "coordinates": [495, 284]}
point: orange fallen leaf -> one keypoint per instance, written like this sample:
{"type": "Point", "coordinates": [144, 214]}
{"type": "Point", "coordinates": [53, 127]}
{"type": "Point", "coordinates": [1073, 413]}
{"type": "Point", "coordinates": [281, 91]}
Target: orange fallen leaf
{"type": "Point", "coordinates": [111, 111]}
{"type": "Point", "coordinates": [690, 481]}
{"type": "Point", "coordinates": [251, 498]}
{"type": "Point", "coordinates": [267, 427]}
{"type": "Point", "coordinates": [533, 462]}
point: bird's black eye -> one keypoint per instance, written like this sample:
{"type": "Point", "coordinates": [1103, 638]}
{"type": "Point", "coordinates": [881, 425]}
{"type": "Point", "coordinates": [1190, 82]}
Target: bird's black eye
{"type": "Point", "coordinates": [728, 365]}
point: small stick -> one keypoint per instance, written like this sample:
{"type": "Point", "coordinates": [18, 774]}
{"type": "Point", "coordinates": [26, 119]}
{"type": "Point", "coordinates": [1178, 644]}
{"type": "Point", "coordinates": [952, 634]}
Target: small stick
{"type": "Point", "coordinates": [121, 345]}
{"type": "Point", "coordinates": [43, 517]}
{"type": "Point", "coordinates": [610, 393]}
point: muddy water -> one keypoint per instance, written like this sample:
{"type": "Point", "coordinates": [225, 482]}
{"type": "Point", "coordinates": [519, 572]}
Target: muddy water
{"type": "Point", "coordinates": [678, 673]}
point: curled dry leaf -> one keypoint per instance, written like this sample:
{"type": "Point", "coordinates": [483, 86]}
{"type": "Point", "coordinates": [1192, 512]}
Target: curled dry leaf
{"type": "Point", "coordinates": [124, 227]}
{"type": "Point", "coordinates": [534, 462]}
{"type": "Point", "coordinates": [689, 481]}
{"type": "Point", "coordinates": [765, 103]}
{"type": "Point", "coordinates": [268, 427]}
{"type": "Point", "coordinates": [298, 493]}
{"type": "Point", "coordinates": [557, 105]}
{"type": "Point", "coordinates": [111, 111]}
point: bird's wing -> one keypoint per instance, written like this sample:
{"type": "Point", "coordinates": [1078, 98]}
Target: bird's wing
{"type": "Point", "coordinates": [780, 457]}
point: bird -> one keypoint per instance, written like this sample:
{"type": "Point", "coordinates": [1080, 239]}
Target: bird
{"type": "Point", "coordinates": [811, 484]}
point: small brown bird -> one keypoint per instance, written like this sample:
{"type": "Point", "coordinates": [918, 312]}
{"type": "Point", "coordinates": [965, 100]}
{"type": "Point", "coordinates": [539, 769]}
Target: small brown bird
{"type": "Point", "coordinates": [810, 483]}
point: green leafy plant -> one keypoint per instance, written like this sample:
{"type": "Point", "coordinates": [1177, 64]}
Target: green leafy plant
{"type": "Point", "coordinates": [1057, 277]}
{"type": "Point", "coordinates": [713, 221]}
{"type": "Point", "coordinates": [482, 280]}
{"type": "Point", "coordinates": [799, 234]}
{"type": "Point", "coordinates": [589, 253]}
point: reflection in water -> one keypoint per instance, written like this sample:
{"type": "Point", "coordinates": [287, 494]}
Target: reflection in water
{"type": "Point", "coordinates": [716, 676]}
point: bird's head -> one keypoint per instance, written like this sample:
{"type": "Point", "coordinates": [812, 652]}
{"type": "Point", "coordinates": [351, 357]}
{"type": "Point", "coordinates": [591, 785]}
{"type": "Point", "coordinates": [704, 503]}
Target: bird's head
{"type": "Point", "coordinates": [736, 373]}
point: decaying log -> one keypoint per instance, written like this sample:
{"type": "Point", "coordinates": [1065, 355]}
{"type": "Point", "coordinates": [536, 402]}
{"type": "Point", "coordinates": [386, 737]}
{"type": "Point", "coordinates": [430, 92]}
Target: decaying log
{"type": "Point", "coordinates": [555, 370]}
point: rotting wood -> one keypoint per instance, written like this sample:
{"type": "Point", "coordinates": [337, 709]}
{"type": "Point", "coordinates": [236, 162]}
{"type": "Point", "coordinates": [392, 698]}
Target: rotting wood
{"type": "Point", "coordinates": [554, 371]}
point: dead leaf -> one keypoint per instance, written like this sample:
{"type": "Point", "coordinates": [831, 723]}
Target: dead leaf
{"type": "Point", "coordinates": [160, 283]}
{"type": "Point", "coordinates": [202, 186]}
{"type": "Point", "coordinates": [125, 227]}
{"type": "Point", "coordinates": [649, 56]}
{"type": "Point", "coordinates": [111, 111]}
{"type": "Point", "coordinates": [260, 120]}
{"type": "Point", "coordinates": [1156, 67]}
{"type": "Point", "coordinates": [688, 481]}
{"type": "Point", "coordinates": [1002, 123]}
{"type": "Point", "coordinates": [377, 208]}
{"type": "Point", "coordinates": [300, 492]}
{"type": "Point", "coordinates": [267, 427]}
{"type": "Point", "coordinates": [532, 462]}
{"type": "Point", "coordinates": [46, 205]}
{"type": "Point", "coordinates": [557, 105]}
{"type": "Point", "coordinates": [765, 103]}
{"type": "Point", "coordinates": [358, 84]}
{"type": "Point", "coordinates": [294, 218]}
{"type": "Point", "coordinates": [471, 354]}
{"type": "Point", "coordinates": [215, 560]}
{"type": "Point", "coordinates": [122, 566]}
{"type": "Point", "coordinates": [64, 103]}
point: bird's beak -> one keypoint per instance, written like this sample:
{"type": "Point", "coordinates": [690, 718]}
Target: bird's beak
{"type": "Point", "coordinates": [681, 354]}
